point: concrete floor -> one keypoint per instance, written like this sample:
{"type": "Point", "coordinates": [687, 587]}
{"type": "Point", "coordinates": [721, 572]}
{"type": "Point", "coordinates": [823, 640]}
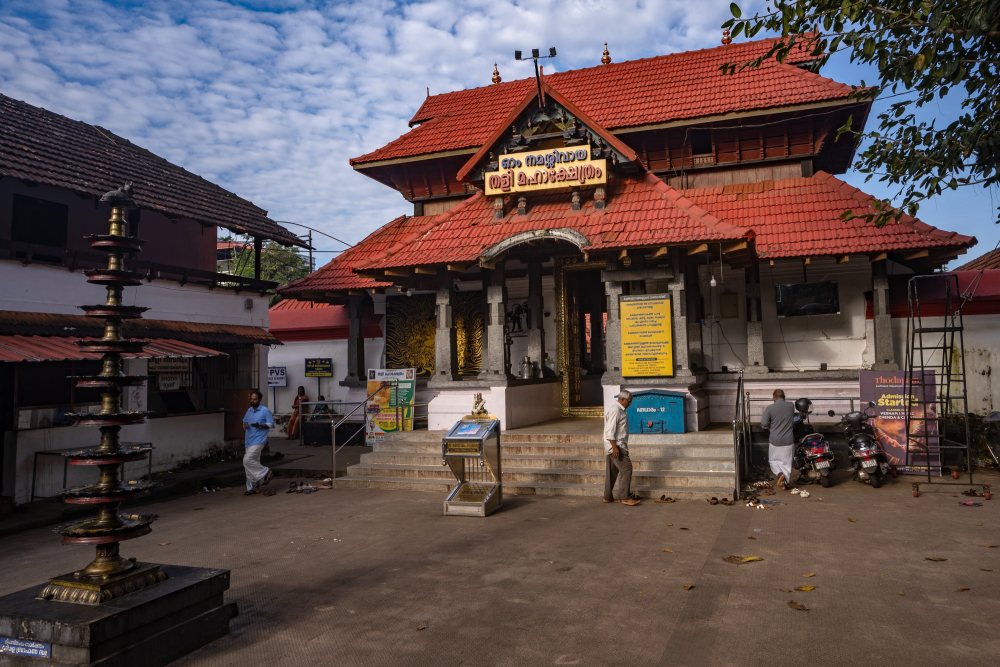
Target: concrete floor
{"type": "Point", "coordinates": [361, 577]}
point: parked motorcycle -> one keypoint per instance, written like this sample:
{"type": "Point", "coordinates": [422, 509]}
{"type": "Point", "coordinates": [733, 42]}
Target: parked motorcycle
{"type": "Point", "coordinates": [867, 458]}
{"type": "Point", "coordinates": [813, 456]}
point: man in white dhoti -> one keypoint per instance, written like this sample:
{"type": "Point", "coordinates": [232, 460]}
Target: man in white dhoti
{"type": "Point", "coordinates": [778, 422]}
{"type": "Point", "coordinates": [257, 422]}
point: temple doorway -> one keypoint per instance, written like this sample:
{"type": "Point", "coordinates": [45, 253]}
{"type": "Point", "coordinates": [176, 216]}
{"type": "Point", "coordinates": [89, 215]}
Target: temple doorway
{"type": "Point", "coordinates": [581, 344]}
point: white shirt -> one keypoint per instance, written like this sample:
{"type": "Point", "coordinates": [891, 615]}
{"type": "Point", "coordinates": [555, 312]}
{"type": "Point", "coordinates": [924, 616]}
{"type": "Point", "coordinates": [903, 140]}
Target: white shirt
{"type": "Point", "coordinates": [615, 427]}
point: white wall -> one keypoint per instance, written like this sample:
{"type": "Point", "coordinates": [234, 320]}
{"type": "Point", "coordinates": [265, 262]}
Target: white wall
{"type": "Point", "coordinates": [292, 356]}
{"type": "Point", "coordinates": [38, 288]}
{"type": "Point", "coordinates": [175, 439]}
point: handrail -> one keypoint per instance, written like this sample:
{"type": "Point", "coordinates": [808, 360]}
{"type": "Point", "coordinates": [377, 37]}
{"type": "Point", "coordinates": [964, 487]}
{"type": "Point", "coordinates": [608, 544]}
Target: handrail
{"type": "Point", "coordinates": [333, 433]}
{"type": "Point", "coordinates": [739, 417]}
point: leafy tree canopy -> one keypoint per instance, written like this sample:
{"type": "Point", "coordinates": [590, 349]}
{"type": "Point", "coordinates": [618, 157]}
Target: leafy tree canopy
{"type": "Point", "coordinates": [277, 263]}
{"type": "Point", "coordinates": [923, 51]}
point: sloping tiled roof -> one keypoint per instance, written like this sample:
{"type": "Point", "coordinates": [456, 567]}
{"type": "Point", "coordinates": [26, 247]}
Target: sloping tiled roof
{"type": "Point", "coordinates": [293, 304]}
{"type": "Point", "coordinates": [319, 321]}
{"type": "Point", "coordinates": [338, 273]}
{"type": "Point", "coordinates": [680, 86]}
{"type": "Point", "coordinates": [990, 260]}
{"type": "Point", "coordinates": [640, 212]}
{"type": "Point", "coordinates": [51, 348]}
{"type": "Point", "coordinates": [40, 146]}
{"type": "Point", "coordinates": [800, 217]}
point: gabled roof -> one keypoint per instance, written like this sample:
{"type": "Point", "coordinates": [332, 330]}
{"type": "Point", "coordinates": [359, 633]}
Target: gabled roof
{"type": "Point", "coordinates": [990, 260]}
{"type": "Point", "coordinates": [40, 146]}
{"type": "Point", "coordinates": [800, 217]}
{"type": "Point", "coordinates": [293, 320]}
{"type": "Point", "coordinates": [676, 87]}
{"type": "Point", "coordinates": [640, 212]}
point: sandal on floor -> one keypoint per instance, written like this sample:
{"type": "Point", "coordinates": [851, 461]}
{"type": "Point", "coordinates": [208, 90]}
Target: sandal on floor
{"type": "Point", "coordinates": [804, 494]}
{"type": "Point", "coordinates": [291, 487]}
{"type": "Point", "coordinates": [971, 492]}
{"type": "Point", "coordinates": [795, 492]}
{"type": "Point", "coordinates": [610, 501]}
{"type": "Point", "coordinates": [253, 492]}
{"type": "Point", "coordinates": [726, 501]}
{"type": "Point", "coordinates": [768, 492]}
{"type": "Point", "coordinates": [713, 501]}
{"type": "Point", "coordinates": [271, 492]}
{"type": "Point", "coordinates": [663, 499]}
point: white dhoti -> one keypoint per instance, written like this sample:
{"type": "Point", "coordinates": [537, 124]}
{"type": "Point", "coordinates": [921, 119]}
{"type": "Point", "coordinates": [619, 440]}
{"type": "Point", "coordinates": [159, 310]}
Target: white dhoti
{"type": "Point", "coordinates": [255, 470]}
{"type": "Point", "coordinates": [780, 458]}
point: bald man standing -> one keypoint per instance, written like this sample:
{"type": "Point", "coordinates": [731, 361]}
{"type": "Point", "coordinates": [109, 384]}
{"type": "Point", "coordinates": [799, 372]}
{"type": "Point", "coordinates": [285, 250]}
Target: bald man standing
{"type": "Point", "coordinates": [778, 421]}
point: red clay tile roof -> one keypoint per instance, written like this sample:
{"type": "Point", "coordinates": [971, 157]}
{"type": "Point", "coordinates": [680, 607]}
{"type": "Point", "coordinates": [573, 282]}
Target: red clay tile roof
{"type": "Point", "coordinates": [640, 212]}
{"type": "Point", "coordinates": [338, 274]}
{"type": "Point", "coordinates": [39, 146]}
{"type": "Point", "coordinates": [990, 260]}
{"type": "Point", "coordinates": [800, 217]}
{"type": "Point", "coordinates": [305, 320]}
{"type": "Point", "coordinates": [679, 86]}
{"type": "Point", "coordinates": [292, 304]}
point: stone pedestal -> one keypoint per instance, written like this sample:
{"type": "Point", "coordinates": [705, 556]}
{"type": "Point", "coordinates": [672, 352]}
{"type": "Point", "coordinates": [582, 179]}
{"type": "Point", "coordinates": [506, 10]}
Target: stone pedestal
{"type": "Point", "coordinates": [150, 627]}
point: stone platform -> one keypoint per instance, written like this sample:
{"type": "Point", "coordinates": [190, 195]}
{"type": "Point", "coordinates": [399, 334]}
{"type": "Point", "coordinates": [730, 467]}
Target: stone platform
{"type": "Point", "coordinates": [151, 627]}
{"type": "Point", "coordinates": [561, 457]}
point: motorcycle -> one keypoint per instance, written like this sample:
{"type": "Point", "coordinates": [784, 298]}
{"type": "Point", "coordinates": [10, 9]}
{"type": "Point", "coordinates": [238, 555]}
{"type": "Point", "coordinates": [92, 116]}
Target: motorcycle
{"type": "Point", "coordinates": [867, 458]}
{"type": "Point", "coordinates": [813, 456]}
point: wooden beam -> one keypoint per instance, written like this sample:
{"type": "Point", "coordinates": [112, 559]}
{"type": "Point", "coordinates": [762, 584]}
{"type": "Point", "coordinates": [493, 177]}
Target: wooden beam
{"type": "Point", "coordinates": [663, 250]}
{"type": "Point", "coordinates": [878, 257]}
{"type": "Point", "coordinates": [624, 275]}
{"type": "Point", "coordinates": [694, 250]}
{"type": "Point", "coordinates": [377, 277]}
{"type": "Point", "coordinates": [357, 292]}
{"type": "Point", "coordinates": [771, 262]}
{"type": "Point", "coordinates": [402, 273]}
{"type": "Point", "coordinates": [843, 259]}
{"type": "Point", "coordinates": [492, 263]}
{"type": "Point", "coordinates": [425, 270]}
{"type": "Point", "coordinates": [805, 261]}
{"type": "Point", "coordinates": [917, 255]}
{"type": "Point", "coordinates": [458, 268]}
{"type": "Point", "coordinates": [742, 245]}
{"type": "Point", "coordinates": [623, 253]}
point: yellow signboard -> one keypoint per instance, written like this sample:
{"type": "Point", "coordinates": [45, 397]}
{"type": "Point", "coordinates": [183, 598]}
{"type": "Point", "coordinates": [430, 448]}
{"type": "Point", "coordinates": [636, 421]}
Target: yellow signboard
{"type": "Point", "coordinates": [546, 170]}
{"type": "Point", "coordinates": [647, 335]}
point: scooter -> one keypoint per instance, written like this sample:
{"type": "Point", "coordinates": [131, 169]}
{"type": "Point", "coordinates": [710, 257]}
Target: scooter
{"type": "Point", "coordinates": [867, 458]}
{"type": "Point", "coordinates": [813, 456]}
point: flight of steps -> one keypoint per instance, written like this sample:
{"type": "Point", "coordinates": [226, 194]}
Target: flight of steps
{"type": "Point", "coordinates": [689, 465]}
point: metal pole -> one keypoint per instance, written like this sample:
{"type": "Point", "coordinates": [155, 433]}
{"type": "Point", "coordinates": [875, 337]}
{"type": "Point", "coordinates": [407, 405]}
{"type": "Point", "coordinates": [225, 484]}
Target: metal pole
{"type": "Point", "coordinates": [310, 251]}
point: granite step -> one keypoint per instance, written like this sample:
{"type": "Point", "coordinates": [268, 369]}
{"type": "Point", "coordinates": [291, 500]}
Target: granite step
{"type": "Point", "coordinates": [507, 450]}
{"type": "Point", "coordinates": [700, 463]}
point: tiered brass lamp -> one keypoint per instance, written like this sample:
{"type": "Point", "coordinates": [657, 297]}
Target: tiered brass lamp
{"type": "Point", "coordinates": [109, 575]}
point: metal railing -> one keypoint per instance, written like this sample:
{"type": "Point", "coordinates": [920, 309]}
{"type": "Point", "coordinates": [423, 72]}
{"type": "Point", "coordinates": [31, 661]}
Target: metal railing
{"type": "Point", "coordinates": [741, 436]}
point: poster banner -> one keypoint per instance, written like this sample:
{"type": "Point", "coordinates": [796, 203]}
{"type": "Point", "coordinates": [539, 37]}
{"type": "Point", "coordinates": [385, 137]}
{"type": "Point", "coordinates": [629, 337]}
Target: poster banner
{"type": "Point", "coordinates": [647, 335]}
{"type": "Point", "coordinates": [380, 417]}
{"type": "Point", "coordinates": [887, 390]}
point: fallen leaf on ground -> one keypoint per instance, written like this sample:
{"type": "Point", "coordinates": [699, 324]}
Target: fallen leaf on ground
{"type": "Point", "coordinates": [670, 524]}
{"type": "Point", "coordinates": [936, 559]}
{"type": "Point", "coordinates": [740, 560]}
{"type": "Point", "coordinates": [902, 593]}
{"type": "Point", "coordinates": [163, 544]}
{"type": "Point", "coordinates": [785, 590]}
{"type": "Point", "coordinates": [805, 588]}
{"type": "Point", "coordinates": [798, 607]}
{"type": "Point", "coordinates": [421, 627]}
{"type": "Point", "coordinates": [810, 574]}
{"type": "Point", "coordinates": [852, 520]}
{"type": "Point", "coordinates": [989, 546]}
{"type": "Point", "coordinates": [751, 537]}
{"type": "Point", "coordinates": [985, 570]}
{"type": "Point", "coordinates": [961, 590]}
{"type": "Point", "coordinates": [683, 528]}
{"type": "Point", "coordinates": [688, 587]}
{"type": "Point", "coordinates": [669, 551]}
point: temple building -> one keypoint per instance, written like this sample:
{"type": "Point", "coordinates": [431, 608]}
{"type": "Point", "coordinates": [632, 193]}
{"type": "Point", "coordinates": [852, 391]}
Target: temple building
{"type": "Point", "coordinates": [650, 224]}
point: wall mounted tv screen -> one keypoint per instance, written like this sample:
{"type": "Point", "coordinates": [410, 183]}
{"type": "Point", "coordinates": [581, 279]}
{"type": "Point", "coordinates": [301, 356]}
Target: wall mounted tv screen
{"type": "Point", "coordinates": [802, 299]}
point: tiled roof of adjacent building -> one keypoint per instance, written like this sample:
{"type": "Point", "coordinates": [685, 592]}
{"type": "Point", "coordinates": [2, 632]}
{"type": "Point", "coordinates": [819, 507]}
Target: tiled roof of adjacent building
{"type": "Point", "coordinates": [800, 217]}
{"type": "Point", "coordinates": [634, 93]}
{"type": "Point", "coordinates": [39, 146]}
{"type": "Point", "coordinates": [990, 260]}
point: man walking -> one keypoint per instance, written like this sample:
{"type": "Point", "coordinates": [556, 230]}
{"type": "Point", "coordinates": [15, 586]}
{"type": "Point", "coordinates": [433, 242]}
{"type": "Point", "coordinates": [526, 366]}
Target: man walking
{"type": "Point", "coordinates": [778, 422]}
{"type": "Point", "coordinates": [616, 451]}
{"type": "Point", "coordinates": [257, 422]}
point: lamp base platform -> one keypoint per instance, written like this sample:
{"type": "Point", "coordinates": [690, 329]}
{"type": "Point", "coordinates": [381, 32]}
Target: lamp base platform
{"type": "Point", "coordinates": [81, 590]}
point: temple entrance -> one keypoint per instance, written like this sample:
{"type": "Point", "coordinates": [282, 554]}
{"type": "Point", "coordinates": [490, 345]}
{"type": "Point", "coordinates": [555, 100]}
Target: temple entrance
{"type": "Point", "coordinates": [581, 335]}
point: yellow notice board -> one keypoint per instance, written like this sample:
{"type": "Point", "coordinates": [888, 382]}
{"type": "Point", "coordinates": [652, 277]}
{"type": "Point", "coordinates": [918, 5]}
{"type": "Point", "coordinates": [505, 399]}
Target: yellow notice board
{"type": "Point", "coordinates": [647, 335]}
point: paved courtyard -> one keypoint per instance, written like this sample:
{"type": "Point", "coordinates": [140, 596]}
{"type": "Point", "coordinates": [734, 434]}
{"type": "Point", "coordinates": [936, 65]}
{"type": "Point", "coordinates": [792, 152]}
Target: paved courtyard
{"type": "Point", "coordinates": [362, 577]}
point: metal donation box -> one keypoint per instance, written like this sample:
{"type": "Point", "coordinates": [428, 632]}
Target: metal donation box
{"type": "Point", "coordinates": [472, 449]}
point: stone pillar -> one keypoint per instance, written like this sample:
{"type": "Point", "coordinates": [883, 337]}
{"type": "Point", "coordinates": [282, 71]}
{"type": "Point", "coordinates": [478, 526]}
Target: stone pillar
{"type": "Point", "coordinates": [885, 354]}
{"type": "Point", "coordinates": [445, 335]}
{"type": "Point", "coordinates": [678, 301]}
{"type": "Point", "coordinates": [755, 328]}
{"type": "Point", "coordinates": [695, 315]}
{"type": "Point", "coordinates": [496, 356]}
{"type": "Point", "coordinates": [536, 330]}
{"type": "Point", "coordinates": [613, 334]}
{"type": "Point", "coordinates": [356, 371]}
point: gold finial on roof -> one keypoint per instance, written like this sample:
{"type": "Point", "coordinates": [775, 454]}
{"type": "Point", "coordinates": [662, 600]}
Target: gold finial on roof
{"type": "Point", "coordinates": [606, 57]}
{"type": "Point", "coordinates": [496, 74]}
{"type": "Point", "coordinates": [726, 39]}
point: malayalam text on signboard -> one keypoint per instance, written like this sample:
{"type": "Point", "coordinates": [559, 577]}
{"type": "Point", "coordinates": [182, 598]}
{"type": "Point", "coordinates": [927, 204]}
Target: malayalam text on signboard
{"type": "Point", "coordinates": [170, 365]}
{"type": "Point", "coordinates": [319, 368]}
{"type": "Point", "coordinates": [546, 170]}
{"type": "Point", "coordinates": [393, 389]}
{"type": "Point", "coordinates": [647, 335]}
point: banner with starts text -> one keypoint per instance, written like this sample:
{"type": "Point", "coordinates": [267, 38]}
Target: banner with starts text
{"type": "Point", "coordinates": [393, 389]}
{"type": "Point", "coordinates": [908, 452]}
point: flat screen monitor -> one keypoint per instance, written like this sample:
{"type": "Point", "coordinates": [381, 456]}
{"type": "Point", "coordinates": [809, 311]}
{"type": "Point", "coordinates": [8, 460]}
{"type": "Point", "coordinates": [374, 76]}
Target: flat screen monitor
{"type": "Point", "coordinates": [802, 299]}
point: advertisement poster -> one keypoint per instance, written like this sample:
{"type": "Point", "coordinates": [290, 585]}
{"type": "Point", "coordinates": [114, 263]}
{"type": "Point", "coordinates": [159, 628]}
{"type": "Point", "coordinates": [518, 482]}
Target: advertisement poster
{"type": "Point", "coordinates": [381, 410]}
{"type": "Point", "coordinates": [647, 335]}
{"type": "Point", "coordinates": [887, 389]}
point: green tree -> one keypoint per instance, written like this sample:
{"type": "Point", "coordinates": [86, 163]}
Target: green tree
{"type": "Point", "coordinates": [923, 51]}
{"type": "Point", "coordinates": [277, 263]}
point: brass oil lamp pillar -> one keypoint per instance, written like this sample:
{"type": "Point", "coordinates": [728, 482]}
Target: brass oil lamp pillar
{"type": "Point", "coordinates": [109, 575]}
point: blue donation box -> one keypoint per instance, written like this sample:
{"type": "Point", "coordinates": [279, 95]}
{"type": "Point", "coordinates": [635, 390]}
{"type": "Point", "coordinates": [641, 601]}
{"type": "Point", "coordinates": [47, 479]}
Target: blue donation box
{"type": "Point", "coordinates": [656, 412]}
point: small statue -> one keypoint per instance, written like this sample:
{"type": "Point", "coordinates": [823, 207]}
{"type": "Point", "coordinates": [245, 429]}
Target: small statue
{"type": "Point", "coordinates": [478, 405]}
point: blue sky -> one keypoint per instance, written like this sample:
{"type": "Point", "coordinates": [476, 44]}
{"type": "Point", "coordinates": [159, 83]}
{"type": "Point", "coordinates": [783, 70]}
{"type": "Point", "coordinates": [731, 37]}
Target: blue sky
{"type": "Point", "coordinates": [271, 99]}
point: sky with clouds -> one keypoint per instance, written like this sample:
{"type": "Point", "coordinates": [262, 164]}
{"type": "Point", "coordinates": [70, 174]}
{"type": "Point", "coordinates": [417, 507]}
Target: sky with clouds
{"type": "Point", "coordinates": [271, 98]}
